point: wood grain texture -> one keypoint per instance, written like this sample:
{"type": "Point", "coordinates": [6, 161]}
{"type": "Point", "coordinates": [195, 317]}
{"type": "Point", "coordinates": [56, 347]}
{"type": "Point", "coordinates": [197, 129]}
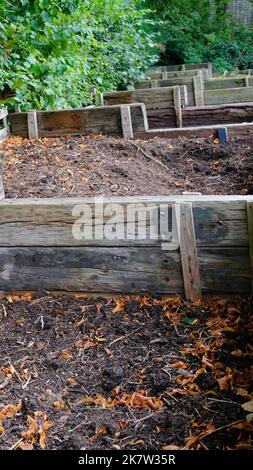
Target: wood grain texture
{"type": "Point", "coordinates": [46, 222]}
{"type": "Point", "coordinates": [153, 98]}
{"type": "Point", "coordinates": [217, 114]}
{"type": "Point", "coordinates": [250, 232]}
{"type": "Point", "coordinates": [106, 120]}
{"type": "Point", "coordinates": [188, 253]}
{"type": "Point", "coordinates": [32, 125]}
{"type": "Point", "coordinates": [231, 95]}
{"type": "Point", "coordinates": [209, 131]}
{"type": "Point", "coordinates": [121, 270]}
{"type": "Point", "coordinates": [2, 194]}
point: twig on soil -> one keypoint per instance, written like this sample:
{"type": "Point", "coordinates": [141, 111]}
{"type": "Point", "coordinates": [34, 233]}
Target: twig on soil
{"type": "Point", "coordinates": [139, 421]}
{"type": "Point", "coordinates": [123, 337]}
{"type": "Point", "coordinates": [151, 158]}
{"type": "Point", "coordinates": [83, 423]}
{"type": "Point", "coordinates": [5, 311]}
{"type": "Point", "coordinates": [16, 444]}
{"type": "Point", "coordinates": [225, 401]}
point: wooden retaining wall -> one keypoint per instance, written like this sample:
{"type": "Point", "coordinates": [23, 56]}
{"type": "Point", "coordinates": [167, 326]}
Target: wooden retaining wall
{"type": "Point", "coordinates": [161, 103]}
{"type": "Point", "coordinates": [187, 74]}
{"type": "Point", "coordinates": [109, 120]}
{"type": "Point", "coordinates": [210, 252]}
{"type": "Point", "coordinates": [183, 67]}
{"type": "Point", "coordinates": [132, 121]}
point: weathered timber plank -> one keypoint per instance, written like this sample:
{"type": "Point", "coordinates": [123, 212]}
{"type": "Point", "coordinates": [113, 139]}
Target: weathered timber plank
{"type": "Point", "coordinates": [32, 124]}
{"type": "Point", "coordinates": [2, 194]}
{"type": "Point", "coordinates": [225, 270]}
{"type": "Point", "coordinates": [179, 74]}
{"type": "Point", "coordinates": [126, 121]}
{"type": "Point", "coordinates": [4, 133]}
{"type": "Point", "coordinates": [231, 95]}
{"type": "Point", "coordinates": [153, 98]}
{"type": "Point", "coordinates": [188, 82]}
{"type": "Point", "coordinates": [3, 113]}
{"type": "Point", "coordinates": [91, 269]}
{"type": "Point", "coordinates": [222, 83]}
{"type": "Point", "coordinates": [198, 91]}
{"type": "Point", "coordinates": [218, 222]}
{"type": "Point", "coordinates": [244, 130]}
{"type": "Point", "coordinates": [178, 106]}
{"type": "Point", "coordinates": [217, 114]}
{"type": "Point", "coordinates": [188, 253]}
{"type": "Point", "coordinates": [250, 231]}
{"type": "Point", "coordinates": [162, 118]}
{"type": "Point", "coordinates": [120, 270]}
{"type": "Point", "coordinates": [106, 120]}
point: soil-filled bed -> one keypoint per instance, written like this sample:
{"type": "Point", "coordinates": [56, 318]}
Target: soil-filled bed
{"type": "Point", "coordinates": [83, 368]}
{"type": "Point", "coordinates": [88, 166]}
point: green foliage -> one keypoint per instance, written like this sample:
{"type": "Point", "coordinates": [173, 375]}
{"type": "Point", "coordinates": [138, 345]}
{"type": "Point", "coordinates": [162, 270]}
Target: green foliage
{"type": "Point", "coordinates": [200, 31]}
{"type": "Point", "coordinates": [51, 52]}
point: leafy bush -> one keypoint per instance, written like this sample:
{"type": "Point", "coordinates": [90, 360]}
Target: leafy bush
{"type": "Point", "coordinates": [51, 52]}
{"type": "Point", "coordinates": [191, 31]}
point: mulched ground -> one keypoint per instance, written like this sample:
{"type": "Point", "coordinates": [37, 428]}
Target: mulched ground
{"type": "Point", "coordinates": [129, 373]}
{"type": "Point", "coordinates": [70, 167]}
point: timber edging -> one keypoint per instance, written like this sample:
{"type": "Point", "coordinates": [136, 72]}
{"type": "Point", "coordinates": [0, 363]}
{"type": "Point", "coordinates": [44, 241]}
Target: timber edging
{"type": "Point", "coordinates": [210, 254]}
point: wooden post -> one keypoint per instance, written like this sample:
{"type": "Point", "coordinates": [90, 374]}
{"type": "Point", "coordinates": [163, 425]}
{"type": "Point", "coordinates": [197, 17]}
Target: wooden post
{"type": "Point", "coordinates": [32, 125]}
{"type": "Point", "coordinates": [247, 80]}
{"type": "Point", "coordinates": [189, 255]}
{"type": "Point", "coordinates": [183, 67]}
{"type": "Point", "coordinates": [2, 195]}
{"type": "Point", "coordinates": [178, 106]}
{"type": "Point", "coordinates": [126, 120]}
{"type": "Point", "coordinates": [164, 75]}
{"type": "Point", "coordinates": [210, 69]}
{"type": "Point", "coordinates": [154, 83]}
{"type": "Point", "coordinates": [250, 232]}
{"type": "Point", "coordinates": [99, 99]}
{"type": "Point", "coordinates": [198, 91]}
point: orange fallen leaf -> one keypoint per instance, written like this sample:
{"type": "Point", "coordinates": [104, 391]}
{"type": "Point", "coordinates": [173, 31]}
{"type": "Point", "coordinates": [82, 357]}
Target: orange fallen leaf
{"type": "Point", "coordinates": [25, 446]}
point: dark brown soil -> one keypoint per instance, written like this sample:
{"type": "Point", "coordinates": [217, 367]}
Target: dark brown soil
{"type": "Point", "coordinates": [108, 166]}
{"type": "Point", "coordinates": [78, 369]}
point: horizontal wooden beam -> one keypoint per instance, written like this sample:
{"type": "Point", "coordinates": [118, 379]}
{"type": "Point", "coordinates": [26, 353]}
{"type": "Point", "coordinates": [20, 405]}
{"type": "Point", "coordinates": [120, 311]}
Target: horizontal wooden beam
{"type": "Point", "coordinates": [231, 95]}
{"type": "Point", "coordinates": [244, 130]}
{"type": "Point", "coordinates": [140, 270]}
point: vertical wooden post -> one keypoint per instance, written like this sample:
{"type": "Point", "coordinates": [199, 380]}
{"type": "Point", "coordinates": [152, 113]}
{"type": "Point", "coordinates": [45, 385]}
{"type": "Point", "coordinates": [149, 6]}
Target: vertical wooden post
{"type": "Point", "coordinates": [250, 232]}
{"type": "Point", "coordinates": [2, 195]}
{"type": "Point", "coordinates": [198, 91]}
{"type": "Point", "coordinates": [32, 125]}
{"type": "Point", "coordinates": [188, 251]}
{"type": "Point", "coordinates": [154, 84]}
{"type": "Point", "coordinates": [126, 120]}
{"type": "Point", "coordinates": [247, 81]}
{"type": "Point", "coordinates": [164, 75]}
{"type": "Point", "coordinates": [178, 106]}
{"type": "Point", "coordinates": [183, 67]}
{"type": "Point", "coordinates": [210, 69]}
{"type": "Point", "coordinates": [99, 99]}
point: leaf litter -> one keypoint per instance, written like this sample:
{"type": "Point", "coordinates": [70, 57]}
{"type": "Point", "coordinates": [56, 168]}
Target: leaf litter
{"type": "Point", "coordinates": [138, 373]}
